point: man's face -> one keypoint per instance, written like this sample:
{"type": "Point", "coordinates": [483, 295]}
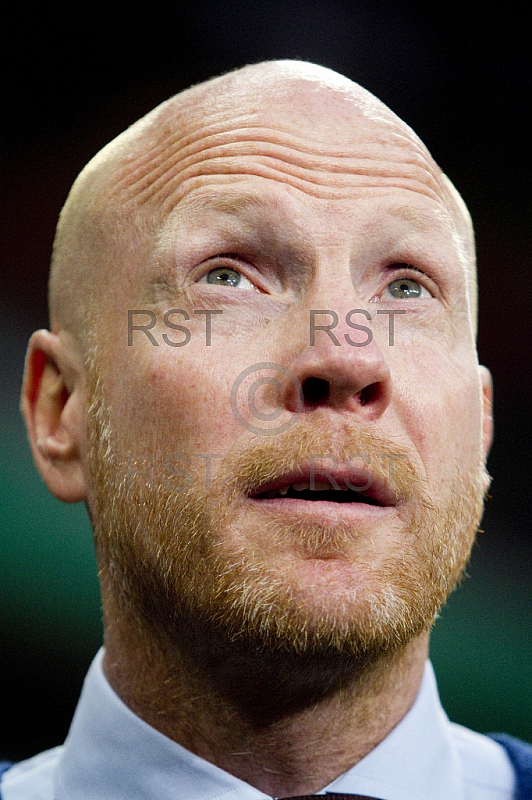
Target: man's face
{"type": "Point", "coordinates": [205, 455]}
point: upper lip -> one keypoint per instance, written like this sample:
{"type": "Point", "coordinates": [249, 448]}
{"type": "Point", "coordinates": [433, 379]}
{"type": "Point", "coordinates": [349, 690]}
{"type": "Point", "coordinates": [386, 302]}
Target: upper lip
{"type": "Point", "coordinates": [377, 488]}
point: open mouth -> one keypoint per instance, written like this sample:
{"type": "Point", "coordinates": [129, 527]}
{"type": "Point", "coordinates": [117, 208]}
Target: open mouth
{"type": "Point", "coordinates": [353, 487]}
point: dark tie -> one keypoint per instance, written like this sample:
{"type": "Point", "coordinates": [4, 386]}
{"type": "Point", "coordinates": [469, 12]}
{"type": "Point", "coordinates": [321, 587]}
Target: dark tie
{"type": "Point", "coordinates": [330, 796]}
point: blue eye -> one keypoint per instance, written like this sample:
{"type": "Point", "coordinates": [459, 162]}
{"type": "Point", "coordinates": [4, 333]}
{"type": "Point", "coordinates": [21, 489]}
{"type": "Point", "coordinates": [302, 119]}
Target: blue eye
{"type": "Point", "coordinates": [407, 289]}
{"type": "Point", "coordinates": [224, 276]}
{"type": "Point", "coordinates": [227, 277]}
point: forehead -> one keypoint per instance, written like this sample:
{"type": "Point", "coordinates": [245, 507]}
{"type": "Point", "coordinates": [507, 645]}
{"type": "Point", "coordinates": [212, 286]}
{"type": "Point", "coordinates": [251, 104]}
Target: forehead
{"type": "Point", "coordinates": [327, 142]}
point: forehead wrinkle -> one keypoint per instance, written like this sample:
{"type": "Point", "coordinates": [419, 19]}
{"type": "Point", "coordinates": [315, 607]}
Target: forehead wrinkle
{"type": "Point", "coordinates": [216, 106]}
{"type": "Point", "coordinates": [327, 180]}
{"type": "Point", "coordinates": [365, 186]}
{"type": "Point", "coordinates": [157, 174]}
{"type": "Point", "coordinates": [177, 148]}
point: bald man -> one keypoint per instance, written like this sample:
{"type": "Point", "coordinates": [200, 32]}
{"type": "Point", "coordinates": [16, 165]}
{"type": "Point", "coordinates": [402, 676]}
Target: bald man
{"type": "Point", "coordinates": [261, 378]}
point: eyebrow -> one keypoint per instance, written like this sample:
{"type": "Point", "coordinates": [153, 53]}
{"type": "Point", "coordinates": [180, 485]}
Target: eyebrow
{"type": "Point", "coordinates": [235, 204]}
{"type": "Point", "coordinates": [231, 204]}
{"type": "Point", "coordinates": [238, 207]}
{"type": "Point", "coordinates": [421, 220]}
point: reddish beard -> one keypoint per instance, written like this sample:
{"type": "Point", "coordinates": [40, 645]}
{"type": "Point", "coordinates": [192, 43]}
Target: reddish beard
{"type": "Point", "coordinates": [173, 565]}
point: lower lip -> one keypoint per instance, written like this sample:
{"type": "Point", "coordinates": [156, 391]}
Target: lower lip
{"type": "Point", "coordinates": [324, 508]}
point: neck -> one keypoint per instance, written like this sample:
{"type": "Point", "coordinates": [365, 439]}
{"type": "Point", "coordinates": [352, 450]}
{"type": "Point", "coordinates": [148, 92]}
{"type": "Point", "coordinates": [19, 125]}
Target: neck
{"type": "Point", "coordinates": [286, 725]}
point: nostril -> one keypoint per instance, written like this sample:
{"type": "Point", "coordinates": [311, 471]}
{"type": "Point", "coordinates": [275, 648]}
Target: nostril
{"type": "Point", "coordinates": [369, 394]}
{"type": "Point", "coordinates": [315, 391]}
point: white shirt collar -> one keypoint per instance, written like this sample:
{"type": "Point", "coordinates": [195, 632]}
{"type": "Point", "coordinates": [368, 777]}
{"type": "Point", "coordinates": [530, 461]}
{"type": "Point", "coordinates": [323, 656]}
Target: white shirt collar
{"type": "Point", "coordinates": [417, 760]}
{"type": "Point", "coordinates": [110, 752]}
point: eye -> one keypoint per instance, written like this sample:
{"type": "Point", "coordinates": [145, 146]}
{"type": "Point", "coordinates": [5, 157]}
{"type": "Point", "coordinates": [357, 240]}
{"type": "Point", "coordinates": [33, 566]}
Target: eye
{"type": "Point", "coordinates": [227, 276]}
{"type": "Point", "coordinates": [406, 289]}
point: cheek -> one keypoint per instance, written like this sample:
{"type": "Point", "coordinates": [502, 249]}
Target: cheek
{"type": "Point", "coordinates": [440, 403]}
{"type": "Point", "coordinates": [180, 401]}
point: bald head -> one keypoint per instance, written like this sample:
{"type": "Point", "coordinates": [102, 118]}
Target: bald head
{"type": "Point", "coordinates": [299, 112]}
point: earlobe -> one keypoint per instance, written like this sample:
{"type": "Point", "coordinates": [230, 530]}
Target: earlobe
{"type": "Point", "coordinates": [487, 402]}
{"type": "Point", "coordinates": [53, 411]}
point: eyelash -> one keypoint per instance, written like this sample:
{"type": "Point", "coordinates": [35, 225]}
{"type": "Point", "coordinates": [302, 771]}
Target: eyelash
{"type": "Point", "coordinates": [405, 271]}
{"type": "Point", "coordinates": [234, 267]}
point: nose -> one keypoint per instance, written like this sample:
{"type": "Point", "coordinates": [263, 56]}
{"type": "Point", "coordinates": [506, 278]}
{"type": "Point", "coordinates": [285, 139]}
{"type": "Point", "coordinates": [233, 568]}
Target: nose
{"type": "Point", "coordinates": [341, 367]}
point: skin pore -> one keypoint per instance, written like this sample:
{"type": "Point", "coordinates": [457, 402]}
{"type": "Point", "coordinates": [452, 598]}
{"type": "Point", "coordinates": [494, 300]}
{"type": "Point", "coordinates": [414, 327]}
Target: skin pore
{"type": "Point", "coordinates": [280, 639]}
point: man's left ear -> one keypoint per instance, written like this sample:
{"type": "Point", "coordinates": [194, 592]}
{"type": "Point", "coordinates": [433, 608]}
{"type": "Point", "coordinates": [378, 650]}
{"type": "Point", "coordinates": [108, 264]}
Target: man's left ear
{"type": "Point", "coordinates": [53, 407]}
{"type": "Point", "coordinates": [487, 402]}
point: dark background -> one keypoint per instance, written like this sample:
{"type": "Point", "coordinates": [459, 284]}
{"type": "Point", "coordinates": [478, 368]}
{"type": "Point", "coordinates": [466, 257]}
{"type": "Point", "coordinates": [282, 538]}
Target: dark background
{"type": "Point", "coordinates": [75, 78]}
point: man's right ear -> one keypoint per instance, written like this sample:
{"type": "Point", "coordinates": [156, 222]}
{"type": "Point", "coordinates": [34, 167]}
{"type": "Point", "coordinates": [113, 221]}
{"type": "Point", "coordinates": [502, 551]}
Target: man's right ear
{"type": "Point", "coordinates": [53, 406]}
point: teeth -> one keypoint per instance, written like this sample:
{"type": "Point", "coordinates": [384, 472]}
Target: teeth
{"type": "Point", "coordinates": [302, 486]}
{"type": "Point", "coordinates": [317, 486]}
{"type": "Point", "coordinates": [320, 486]}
